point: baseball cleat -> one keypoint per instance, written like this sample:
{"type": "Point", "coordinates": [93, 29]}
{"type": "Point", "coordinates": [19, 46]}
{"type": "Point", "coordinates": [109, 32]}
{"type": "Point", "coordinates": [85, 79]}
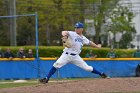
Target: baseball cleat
{"type": "Point", "coordinates": [43, 80]}
{"type": "Point", "coordinates": [103, 75]}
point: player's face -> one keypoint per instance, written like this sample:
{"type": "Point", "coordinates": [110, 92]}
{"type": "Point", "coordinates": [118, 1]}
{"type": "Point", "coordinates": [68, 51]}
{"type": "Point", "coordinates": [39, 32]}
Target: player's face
{"type": "Point", "coordinates": [78, 30]}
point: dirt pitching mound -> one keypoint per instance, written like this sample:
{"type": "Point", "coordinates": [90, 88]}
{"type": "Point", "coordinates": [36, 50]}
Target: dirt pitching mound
{"type": "Point", "coordinates": [97, 85]}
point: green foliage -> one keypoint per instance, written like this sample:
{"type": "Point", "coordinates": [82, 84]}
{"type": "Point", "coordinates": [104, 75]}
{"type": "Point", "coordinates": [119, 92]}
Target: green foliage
{"type": "Point", "coordinates": [52, 51]}
{"type": "Point", "coordinates": [101, 14]}
{"type": "Point", "coordinates": [11, 84]}
{"type": "Point", "coordinates": [121, 22]}
{"type": "Point", "coordinates": [57, 15]}
{"type": "Point", "coordinates": [124, 53]}
{"type": "Point", "coordinates": [126, 39]}
{"type": "Point", "coordinates": [4, 24]}
{"type": "Point", "coordinates": [52, 19]}
{"type": "Point", "coordinates": [99, 52]}
{"type": "Point", "coordinates": [56, 51]}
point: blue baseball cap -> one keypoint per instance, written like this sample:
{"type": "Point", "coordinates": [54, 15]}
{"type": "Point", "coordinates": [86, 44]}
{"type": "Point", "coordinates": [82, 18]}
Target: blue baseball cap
{"type": "Point", "coordinates": [79, 25]}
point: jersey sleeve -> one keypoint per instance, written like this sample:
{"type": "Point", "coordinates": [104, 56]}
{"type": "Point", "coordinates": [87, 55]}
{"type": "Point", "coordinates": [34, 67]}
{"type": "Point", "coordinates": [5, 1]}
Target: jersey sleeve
{"type": "Point", "coordinates": [86, 41]}
{"type": "Point", "coordinates": [71, 33]}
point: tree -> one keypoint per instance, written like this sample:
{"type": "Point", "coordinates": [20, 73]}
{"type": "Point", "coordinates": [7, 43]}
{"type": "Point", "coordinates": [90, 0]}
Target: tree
{"type": "Point", "coordinates": [4, 24]}
{"type": "Point", "coordinates": [58, 15]}
{"type": "Point", "coordinates": [127, 38]}
{"type": "Point", "coordinates": [101, 11]}
{"type": "Point", "coordinates": [54, 16]}
{"type": "Point", "coordinates": [121, 21]}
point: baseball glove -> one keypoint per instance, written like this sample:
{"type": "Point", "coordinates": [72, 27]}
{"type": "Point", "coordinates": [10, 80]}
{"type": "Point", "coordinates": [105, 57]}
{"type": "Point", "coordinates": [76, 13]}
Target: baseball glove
{"type": "Point", "coordinates": [66, 41]}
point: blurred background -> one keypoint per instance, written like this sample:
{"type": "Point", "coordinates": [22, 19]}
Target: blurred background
{"type": "Point", "coordinates": [114, 23]}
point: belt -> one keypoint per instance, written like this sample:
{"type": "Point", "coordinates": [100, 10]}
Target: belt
{"type": "Point", "coordinates": [71, 54]}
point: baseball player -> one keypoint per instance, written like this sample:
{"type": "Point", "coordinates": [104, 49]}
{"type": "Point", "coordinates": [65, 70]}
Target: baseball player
{"type": "Point", "coordinates": [73, 42]}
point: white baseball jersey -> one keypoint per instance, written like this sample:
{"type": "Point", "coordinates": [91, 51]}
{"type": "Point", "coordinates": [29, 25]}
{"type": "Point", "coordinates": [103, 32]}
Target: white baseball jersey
{"type": "Point", "coordinates": [77, 43]}
{"type": "Point", "coordinates": [71, 55]}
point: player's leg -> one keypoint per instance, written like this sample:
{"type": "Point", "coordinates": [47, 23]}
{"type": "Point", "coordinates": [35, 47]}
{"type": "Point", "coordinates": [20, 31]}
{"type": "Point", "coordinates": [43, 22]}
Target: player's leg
{"type": "Point", "coordinates": [63, 60]}
{"type": "Point", "coordinates": [46, 79]}
{"type": "Point", "coordinates": [82, 64]}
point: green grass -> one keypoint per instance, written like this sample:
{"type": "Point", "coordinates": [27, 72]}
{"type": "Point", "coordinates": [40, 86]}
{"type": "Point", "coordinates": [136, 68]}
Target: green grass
{"type": "Point", "coordinates": [9, 84]}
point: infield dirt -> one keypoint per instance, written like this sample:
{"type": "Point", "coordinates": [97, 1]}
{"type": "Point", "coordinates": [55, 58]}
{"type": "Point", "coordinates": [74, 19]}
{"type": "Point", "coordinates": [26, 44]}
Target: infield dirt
{"type": "Point", "coordinates": [98, 85]}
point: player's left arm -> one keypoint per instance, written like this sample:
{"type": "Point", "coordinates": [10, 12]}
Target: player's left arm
{"type": "Point", "coordinates": [92, 44]}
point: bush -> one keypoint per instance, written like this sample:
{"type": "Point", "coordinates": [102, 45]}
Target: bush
{"type": "Point", "coordinates": [56, 51]}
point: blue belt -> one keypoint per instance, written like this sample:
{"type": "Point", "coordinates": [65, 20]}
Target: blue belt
{"type": "Point", "coordinates": [71, 54]}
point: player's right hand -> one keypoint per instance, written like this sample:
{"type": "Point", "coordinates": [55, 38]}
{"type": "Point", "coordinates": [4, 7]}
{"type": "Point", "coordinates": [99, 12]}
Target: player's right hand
{"type": "Point", "coordinates": [99, 45]}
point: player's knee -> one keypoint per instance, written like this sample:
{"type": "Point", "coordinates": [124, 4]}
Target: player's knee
{"type": "Point", "coordinates": [57, 65]}
{"type": "Point", "coordinates": [89, 68]}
